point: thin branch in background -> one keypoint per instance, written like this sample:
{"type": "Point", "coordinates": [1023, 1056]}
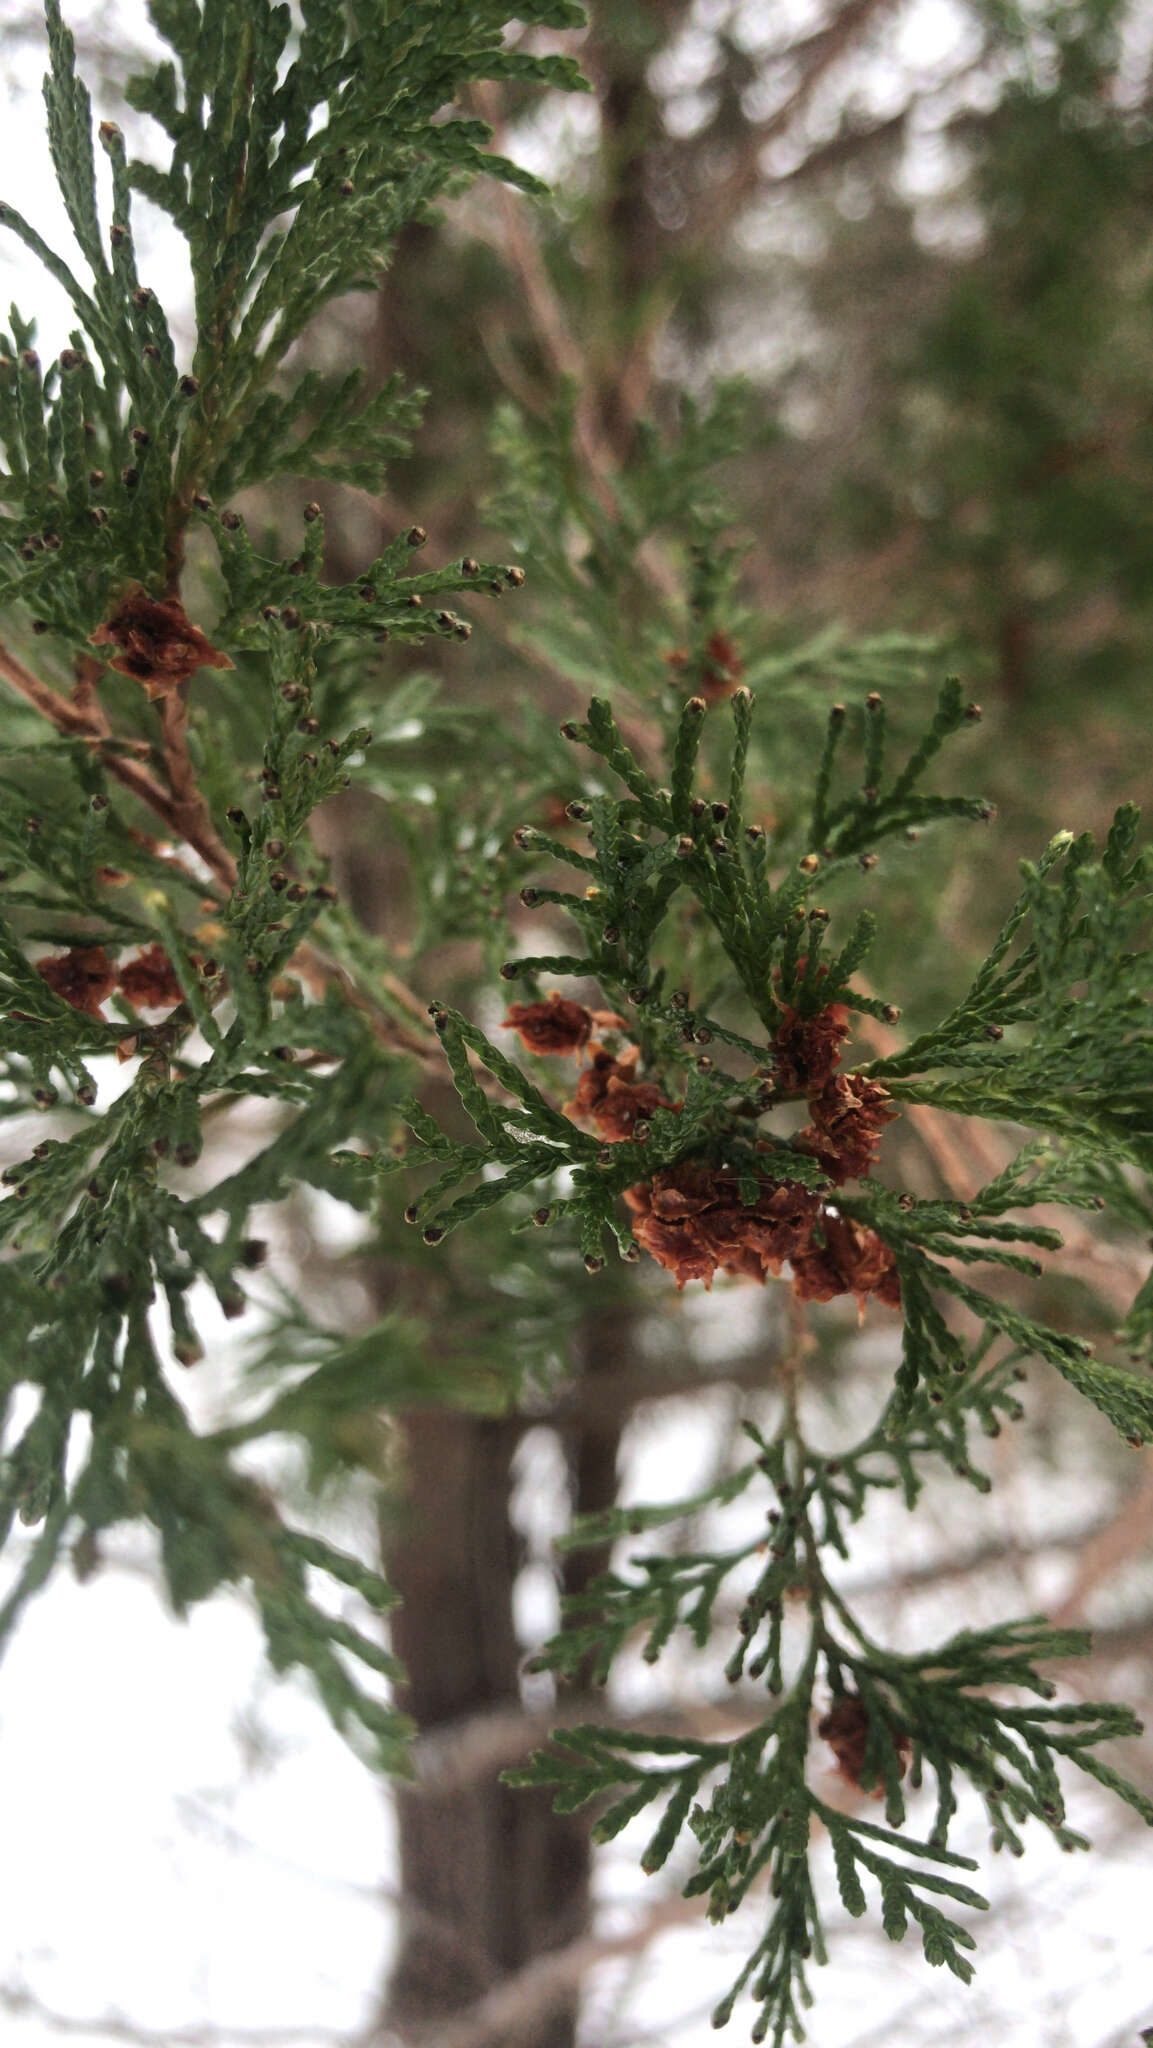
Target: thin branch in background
{"type": "Point", "coordinates": [22, 2004]}
{"type": "Point", "coordinates": [526, 2000]}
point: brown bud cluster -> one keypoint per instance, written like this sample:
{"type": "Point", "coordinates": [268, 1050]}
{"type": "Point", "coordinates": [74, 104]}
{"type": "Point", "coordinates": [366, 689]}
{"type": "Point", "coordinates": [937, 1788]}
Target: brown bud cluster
{"type": "Point", "coordinates": [691, 1217]}
{"type": "Point", "coordinates": [849, 1113]}
{"type": "Point", "coordinates": [852, 1260]}
{"type": "Point", "coordinates": [808, 1049]}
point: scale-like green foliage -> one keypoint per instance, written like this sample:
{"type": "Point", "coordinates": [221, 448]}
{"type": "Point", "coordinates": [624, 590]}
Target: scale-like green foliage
{"type": "Point", "coordinates": [296, 158]}
{"type": "Point", "coordinates": [157, 988]}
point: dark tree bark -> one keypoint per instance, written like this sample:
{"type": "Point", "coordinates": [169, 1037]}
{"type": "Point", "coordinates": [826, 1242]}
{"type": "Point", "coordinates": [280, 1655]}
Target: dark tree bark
{"type": "Point", "coordinates": [491, 1878]}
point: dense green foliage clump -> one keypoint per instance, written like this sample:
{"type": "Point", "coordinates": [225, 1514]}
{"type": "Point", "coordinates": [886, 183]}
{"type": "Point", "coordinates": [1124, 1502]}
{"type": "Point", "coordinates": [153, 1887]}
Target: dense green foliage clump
{"type": "Point", "coordinates": [154, 986]}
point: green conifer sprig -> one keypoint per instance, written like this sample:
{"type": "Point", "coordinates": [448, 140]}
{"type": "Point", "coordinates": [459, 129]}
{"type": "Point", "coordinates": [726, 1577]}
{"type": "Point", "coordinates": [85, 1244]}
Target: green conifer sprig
{"type": "Point", "coordinates": [1081, 1073]}
{"type": "Point", "coordinates": [110, 453]}
{"type": "Point", "coordinates": [938, 1712]}
{"type": "Point", "coordinates": [297, 152]}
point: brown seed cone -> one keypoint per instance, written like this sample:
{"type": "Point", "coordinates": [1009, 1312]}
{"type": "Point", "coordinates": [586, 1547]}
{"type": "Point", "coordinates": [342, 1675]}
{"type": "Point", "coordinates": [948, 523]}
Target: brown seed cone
{"type": "Point", "coordinates": [611, 1099]}
{"type": "Point", "coordinates": [853, 1260]}
{"type": "Point", "coordinates": [557, 1025]}
{"type": "Point", "coordinates": [85, 977]}
{"type": "Point", "coordinates": [691, 1219]}
{"type": "Point", "coordinates": [846, 1730]}
{"type": "Point", "coordinates": [849, 1115]}
{"type": "Point", "coordinates": [808, 1049]}
{"type": "Point", "coordinates": [149, 981]}
{"type": "Point", "coordinates": [159, 645]}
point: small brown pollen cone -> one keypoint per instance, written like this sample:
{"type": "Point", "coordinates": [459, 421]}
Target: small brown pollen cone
{"type": "Point", "coordinates": [846, 1730]}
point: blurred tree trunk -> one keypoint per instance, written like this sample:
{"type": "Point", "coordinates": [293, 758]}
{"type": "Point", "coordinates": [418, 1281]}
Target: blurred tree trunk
{"type": "Point", "coordinates": [491, 1879]}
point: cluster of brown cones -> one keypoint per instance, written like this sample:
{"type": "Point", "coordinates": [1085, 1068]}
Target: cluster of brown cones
{"type": "Point", "coordinates": [691, 1217]}
{"type": "Point", "coordinates": [86, 977]}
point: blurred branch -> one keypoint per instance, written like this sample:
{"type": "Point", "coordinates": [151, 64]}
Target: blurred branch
{"type": "Point", "coordinates": [114, 2027]}
{"type": "Point", "coordinates": [815, 55]}
{"type": "Point", "coordinates": [1128, 1532]}
{"type": "Point", "coordinates": [525, 2001]}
